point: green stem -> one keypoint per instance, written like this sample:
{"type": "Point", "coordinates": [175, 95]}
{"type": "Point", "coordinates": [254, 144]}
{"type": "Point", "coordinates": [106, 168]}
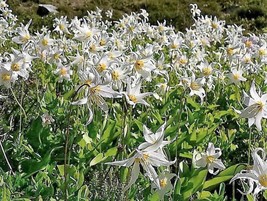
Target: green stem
{"type": "Point", "coordinates": [22, 109]}
{"type": "Point", "coordinates": [249, 145]}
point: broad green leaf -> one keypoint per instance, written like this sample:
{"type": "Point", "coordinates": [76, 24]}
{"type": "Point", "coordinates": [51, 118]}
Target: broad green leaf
{"type": "Point", "coordinates": [225, 175]}
{"type": "Point", "coordinates": [204, 194]}
{"type": "Point", "coordinates": [154, 197]}
{"type": "Point", "coordinates": [99, 158]}
{"type": "Point", "coordinates": [250, 197]}
{"type": "Point", "coordinates": [197, 182]}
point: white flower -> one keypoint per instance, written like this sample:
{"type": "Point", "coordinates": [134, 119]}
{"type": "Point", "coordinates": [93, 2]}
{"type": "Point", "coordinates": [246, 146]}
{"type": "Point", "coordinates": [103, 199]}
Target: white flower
{"type": "Point", "coordinates": [154, 141]}
{"type": "Point", "coordinates": [64, 72]}
{"type": "Point", "coordinates": [257, 175]}
{"type": "Point", "coordinates": [133, 95]}
{"type": "Point", "coordinates": [147, 160]}
{"type": "Point", "coordinates": [209, 159]}
{"type": "Point", "coordinates": [165, 184]}
{"type": "Point", "coordinates": [236, 76]}
{"type": "Point", "coordinates": [256, 107]}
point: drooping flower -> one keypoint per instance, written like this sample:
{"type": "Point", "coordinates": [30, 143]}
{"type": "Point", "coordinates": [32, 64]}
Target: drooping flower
{"type": "Point", "coordinates": [148, 160]}
{"type": "Point", "coordinates": [133, 95]}
{"type": "Point", "coordinates": [257, 176]}
{"type": "Point", "coordinates": [256, 107]}
{"type": "Point", "coordinates": [154, 141]}
{"type": "Point", "coordinates": [165, 184]}
{"type": "Point", "coordinates": [209, 159]}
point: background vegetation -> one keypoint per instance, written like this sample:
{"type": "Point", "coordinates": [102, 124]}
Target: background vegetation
{"type": "Point", "coordinates": [252, 14]}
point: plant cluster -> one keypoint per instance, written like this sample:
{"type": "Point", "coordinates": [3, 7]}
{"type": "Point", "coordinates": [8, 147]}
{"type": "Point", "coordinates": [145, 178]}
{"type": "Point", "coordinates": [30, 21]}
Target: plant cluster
{"type": "Point", "coordinates": [96, 109]}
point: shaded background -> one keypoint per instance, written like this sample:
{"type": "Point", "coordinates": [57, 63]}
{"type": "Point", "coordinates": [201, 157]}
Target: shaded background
{"type": "Point", "coordinates": [252, 14]}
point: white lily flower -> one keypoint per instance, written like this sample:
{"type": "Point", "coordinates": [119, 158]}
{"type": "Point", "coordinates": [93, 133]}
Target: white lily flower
{"type": "Point", "coordinates": [133, 95]}
{"type": "Point", "coordinates": [256, 107]}
{"type": "Point", "coordinates": [236, 76]}
{"type": "Point", "coordinates": [257, 175]}
{"type": "Point", "coordinates": [210, 159]}
{"type": "Point", "coordinates": [154, 142]}
{"type": "Point", "coordinates": [165, 184]}
{"type": "Point", "coordinates": [147, 160]}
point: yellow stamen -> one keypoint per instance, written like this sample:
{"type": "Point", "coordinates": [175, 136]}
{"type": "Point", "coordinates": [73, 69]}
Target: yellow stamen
{"type": "Point", "coordinates": [101, 67]}
{"type": "Point", "coordinates": [44, 42]}
{"type": "Point", "coordinates": [61, 27]}
{"type": "Point", "coordinates": [263, 180]}
{"type": "Point", "coordinates": [95, 89]}
{"type": "Point", "coordinates": [230, 51]}
{"type": "Point", "coordinates": [163, 182]}
{"type": "Point", "coordinates": [248, 43]}
{"type": "Point", "coordinates": [115, 75]}
{"type": "Point", "coordinates": [133, 98]}
{"type": "Point", "coordinates": [25, 38]}
{"type": "Point", "coordinates": [15, 67]}
{"type": "Point", "coordinates": [139, 64]}
{"type": "Point", "coordinates": [207, 71]}
{"type": "Point", "coordinates": [236, 76]}
{"type": "Point", "coordinates": [145, 157]}
{"type": "Point", "coordinates": [6, 77]}
{"type": "Point", "coordinates": [194, 86]}
{"type": "Point", "coordinates": [63, 71]}
{"type": "Point", "coordinates": [102, 42]}
{"type": "Point", "coordinates": [183, 61]}
{"type": "Point", "coordinates": [210, 159]}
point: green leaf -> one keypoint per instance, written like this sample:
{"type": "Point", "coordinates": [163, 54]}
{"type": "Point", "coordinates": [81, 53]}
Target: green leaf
{"type": "Point", "coordinates": [223, 176]}
{"type": "Point", "coordinates": [250, 197]}
{"type": "Point", "coordinates": [197, 182]}
{"type": "Point", "coordinates": [154, 197]}
{"type": "Point", "coordinates": [99, 158]}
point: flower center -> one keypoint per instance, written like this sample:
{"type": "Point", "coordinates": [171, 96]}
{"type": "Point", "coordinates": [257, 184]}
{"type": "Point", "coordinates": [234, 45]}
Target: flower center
{"type": "Point", "coordinates": [88, 34]}
{"type": "Point", "coordinates": [61, 27]}
{"type": "Point", "coordinates": [15, 67]}
{"type": "Point", "coordinates": [210, 159]}
{"type": "Point", "coordinates": [145, 157]}
{"type": "Point", "coordinates": [56, 56]}
{"type": "Point", "coordinates": [183, 61]}
{"type": "Point", "coordinates": [163, 182]}
{"type": "Point", "coordinates": [95, 89]}
{"type": "Point", "coordinates": [6, 77]}
{"type": "Point", "coordinates": [101, 67]}
{"type": "Point", "coordinates": [115, 75]}
{"type": "Point", "coordinates": [63, 71]}
{"type": "Point", "coordinates": [248, 43]}
{"type": "Point", "coordinates": [25, 38]}
{"type": "Point", "coordinates": [230, 51]}
{"type": "Point", "coordinates": [262, 52]}
{"type": "Point", "coordinates": [194, 86]}
{"type": "Point", "coordinates": [139, 64]}
{"type": "Point", "coordinates": [214, 25]}
{"type": "Point", "coordinates": [260, 105]}
{"type": "Point", "coordinates": [102, 42]}
{"type": "Point", "coordinates": [133, 98]}
{"type": "Point", "coordinates": [263, 180]}
{"type": "Point", "coordinates": [207, 71]}
{"type": "Point", "coordinates": [44, 42]}
{"type": "Point", "coordinates": [236, 76]}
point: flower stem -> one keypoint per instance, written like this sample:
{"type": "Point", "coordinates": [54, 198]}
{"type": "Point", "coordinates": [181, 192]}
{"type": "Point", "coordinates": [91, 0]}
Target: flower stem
{"type": "Point", "coordinates": [22, 109]}
{"type": "Point", "coordinates": [7, 161]}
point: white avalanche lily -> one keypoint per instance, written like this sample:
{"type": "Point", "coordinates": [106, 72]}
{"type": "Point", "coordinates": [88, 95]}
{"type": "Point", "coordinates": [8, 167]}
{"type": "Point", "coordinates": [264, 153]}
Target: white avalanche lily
{"type": "Point", "coordinates": [210, 159]}
{"type": "Point", "coordinates": [256, 107]}
{"type": "Point", "coordinates": [147, 160]}
{"type": "Point", "coordinates": [133, 95]}
{"type": "Point", "coordinates": [257, 175]}
{"type": "Point", "coordinates": [154, 142]}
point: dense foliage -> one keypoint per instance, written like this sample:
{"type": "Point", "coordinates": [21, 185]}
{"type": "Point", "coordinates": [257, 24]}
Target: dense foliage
{"type": "Point", "coordinates": [251, 14]}
{"type": "Point", "coordinates": [97, 109]}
